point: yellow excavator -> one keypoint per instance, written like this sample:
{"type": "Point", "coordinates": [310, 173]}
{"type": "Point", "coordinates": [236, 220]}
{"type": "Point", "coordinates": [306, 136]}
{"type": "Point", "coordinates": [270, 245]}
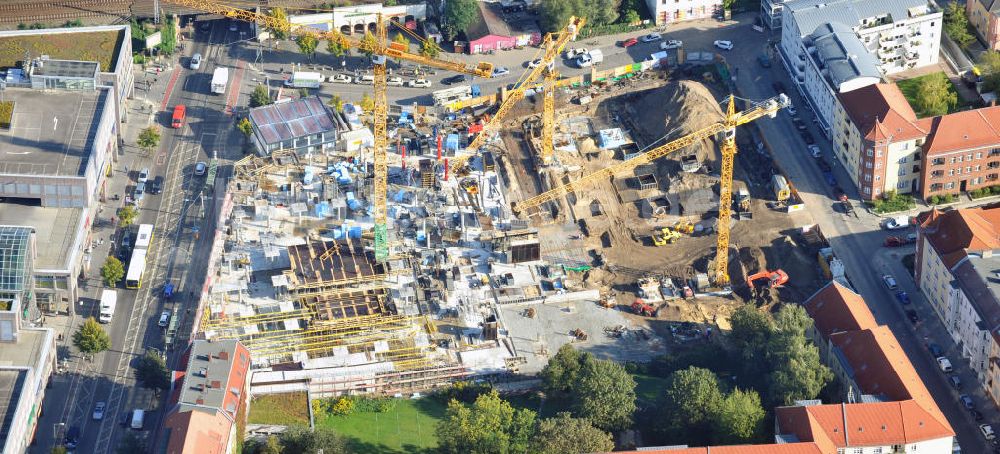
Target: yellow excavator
{"type": "Point", "coordinates": [665, 237]}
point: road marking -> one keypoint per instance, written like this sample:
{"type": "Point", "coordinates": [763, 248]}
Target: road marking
{"type": "Point", "coordinates": [234, 92]}
{"type": "Point", "coordinates": [170, 87]}
{"type": "Point", "coordinates": [161, 158]}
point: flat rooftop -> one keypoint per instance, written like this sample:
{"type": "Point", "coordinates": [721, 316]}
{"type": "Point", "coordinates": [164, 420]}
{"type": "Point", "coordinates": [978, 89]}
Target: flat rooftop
{"type": "Point", "coordinates": [55, 231]}
{"type": "Point", "coordinates": [67, 68]}
{"type": "Point", "coordinates": [100, 44]}
{"type": "Point", "coordinates": [52, 132]}
{"type": "Point", "coordinates": [11, 382]}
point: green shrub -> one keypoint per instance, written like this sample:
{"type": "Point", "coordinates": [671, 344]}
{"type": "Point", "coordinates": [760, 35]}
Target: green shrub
{"type": "Point", "coordinates": [341, 406]}
{"type": "Point", "coordinates": [891, 202]}
{"type": "Point", "coordinates": [6, 113]}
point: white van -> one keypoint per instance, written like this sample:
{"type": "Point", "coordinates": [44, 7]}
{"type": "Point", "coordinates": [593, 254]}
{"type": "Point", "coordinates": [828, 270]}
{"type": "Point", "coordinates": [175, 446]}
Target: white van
{"type": "Point", "coordinates": [137, 418]}
{"type": "Point", "coordinates": [366, 79]}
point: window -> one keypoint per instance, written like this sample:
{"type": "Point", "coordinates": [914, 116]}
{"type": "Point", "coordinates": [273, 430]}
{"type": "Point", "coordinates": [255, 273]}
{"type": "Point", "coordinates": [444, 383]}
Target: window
{"type": "Point", "coordinates": [993, 165]}
{"type": "Point", "coordinates": [902, 160]}
{"type": "Point", "coordinates": [949, 185]}
{"type": "Point", "coordinates": [868, 190]}
{"type": "Point", "coordinates": [951, 172]}
{"type": "Point", "coordinates": [868, 177]}
{"type": "Point", "coordinates": [902, 171]}
{"type": "Point", "coordinates": [979, 155]}
{"type": "Point", "coordinates": [968, 169]}
{"type": "Point", "coordinates": [878, 178]}
{"type": "Point", "coordinates": [953, 159]}
{"type": "Point", "coordinates": [978, 167]}
{"type": "Point", "coordinates": [901, 185]}
{"type": "Point", "coordinates": [868, 164]}
{"type": "Point", "coordinates": [937, 161]}
{"type": "Point", "coordinates": [878, 165]}
{"type": "Point", "coordinates": [968, 157]}
{"type": "Point", "coordinates": [992, 177]}
{"type": "Point", "coordinates": [878, 153]}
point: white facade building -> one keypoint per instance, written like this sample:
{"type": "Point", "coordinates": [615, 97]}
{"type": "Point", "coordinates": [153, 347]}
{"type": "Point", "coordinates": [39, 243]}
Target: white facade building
{"type": "Point", "coordinates": [669, 11]}
{"type": "Point", "coordinates": [835, 46]}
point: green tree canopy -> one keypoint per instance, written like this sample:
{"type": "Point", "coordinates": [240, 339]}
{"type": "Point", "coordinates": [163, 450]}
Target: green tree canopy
{"type": "Point", "coordinates": [429, 49]}
{"type": "Point", "coordinates": [738, 418]}
{"type": "Point", "coordinates": [605, 394]}
{"type": "Point", "coordinates": [956, 25]}
{"type": "Point", "coordinates": [560, 374]}
{"type": "Point", "coordinates": [367, 103]}
{"type": "Point", "coordinates": [279, 32]}
{"type": "Point", "coordinates": [337, 45]}
{"type": "Point", "coordinates": [152, 371]}
{"type": "Point", "coordinates": [797, 372]}
{"type": "Point", "coordinates": [490, 425]}
{"type": "Point", "coordinates": [459, 15]}
{"type": "Point", "coordinates": [245, 127]}
{"type": "Point", "coordinates": [260, 96]}
{"type": "Point", "coordinates": [555, 14]}
{"type": "Point", "coordinates": [565, 434]}
{"type": "Point", "coordinates": [689, 402]}
{"type": "Point", "coordinates": [91, 338]}
{"type": "Point", "coordinates": [149, 138]}
{"type": "Point", "coordinates": [127, 215]}
{"type": "Point", "coordinates": [336, 103]}
{"type": "Point", "coordinates": [935, 95]}
{"type": "Point", "coordinates": [307, 43]}
{"type": "Point", "coordinates": [989, 64]}
{"type": "Point", "coordinates": [112, 271]}
{"type": "Point", "coordinates": [299, 439]}
{"type": "Point", "coordinates": [368, 44]}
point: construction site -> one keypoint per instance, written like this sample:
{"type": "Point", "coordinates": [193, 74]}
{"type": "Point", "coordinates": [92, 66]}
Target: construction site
{"type": "Point", "coordinates": [615, 214]}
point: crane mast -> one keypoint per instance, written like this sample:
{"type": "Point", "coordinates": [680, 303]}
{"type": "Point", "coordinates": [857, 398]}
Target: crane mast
{"type": "Point", "coordinates": [379, 119]}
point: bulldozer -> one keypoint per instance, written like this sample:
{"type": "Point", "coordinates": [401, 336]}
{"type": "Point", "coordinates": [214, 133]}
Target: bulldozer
{"type": "Point", "coordinates": [775, 278]}
{"type": "Point", "coordinates": [743, 205]}
{"type": "Point", "coordinates": [640, 307]}
{"type": "Point", "coordinates": [665, 237]}
{"type": "Point", "coordinates": [684, 227]}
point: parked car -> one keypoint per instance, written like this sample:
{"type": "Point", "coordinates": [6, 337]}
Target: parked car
{"type": "Point", "coordinates": [457, 79]}
{"type": "Point", "coordinates": [200, 168]}
{"type": "Point", "coordinates": [902, 297]}
{"type": "Point", "coordinates": [573, 52]}
{"type": "Point", "coordinates": [340, 79]}
{"type": "Point", "coordinates": [967, 402]}
{"type": "Point", "coordinates": [195, 61]}
{"type": "Point", "coordinates": [394, 81]}
{"type": "Point", "coordinates": [500, 71]}
{"type": "Point", "coordinates": [534, 63]}
{"type": "Point", "coordinates": [651, 37]}
{"type": "Point", "coordinates": [912, 315]}
{"type": "Point", "coordinates": [366, 79]}
{"type": "Point", "coordinates": [897, 222]}
{"type": "Point", "coordinates": [419, 83]}
{"type": "Point", "coordinates": [672, 44]}
{"type": "Point", "coordinates": [815, 151]}
{"type": "Point", "coordinates": [72, 437]}
{"type": "Point", "coordinates": [987, 431]}
{"type": "Point", "coordinates": [944, 364]}
{"type": "Point", "coordinates": [155, 185]}
{"type": "Point", "coordinates": [723, 44]}
{"type": "Point", "coordinates": [629, 42]}
{"type": "Point", "coordinates": [889, 281]}
{"type": "Point", "coordinates": [164, 319]}
{"type": "Point", "coordinates": [140, 190]}
{"type": "Point", "coordinates": [143, 175]}
{"type": "Point", "coordinates": [98, 413]}
{"type": "Point", "coordinates": [935, 349]}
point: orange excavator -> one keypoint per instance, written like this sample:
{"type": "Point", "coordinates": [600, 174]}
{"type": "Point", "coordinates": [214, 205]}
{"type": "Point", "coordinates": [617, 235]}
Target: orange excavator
{"type": "Point", "coordinates": [775, 278]}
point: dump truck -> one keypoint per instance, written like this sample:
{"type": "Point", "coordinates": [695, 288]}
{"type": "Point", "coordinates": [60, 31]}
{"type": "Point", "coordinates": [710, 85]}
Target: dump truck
{"type": "Point", "coordinates": [780, 187]}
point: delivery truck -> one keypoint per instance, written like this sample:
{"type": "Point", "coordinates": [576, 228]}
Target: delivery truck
{"type": "Point", "coordinates": [109, 300]}
{"type": "Point", "coordinates": [219, 81]}
{"type": "Point", "coordinates": [302, 79]}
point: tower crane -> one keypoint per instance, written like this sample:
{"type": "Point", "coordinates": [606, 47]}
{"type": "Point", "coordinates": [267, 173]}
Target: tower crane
{"type": "Point", "coordinates": [727, 127]}
{"type": "Point", "coordinates": [381, 50]}
{"type": "Point", "coordinates": [553, 45]}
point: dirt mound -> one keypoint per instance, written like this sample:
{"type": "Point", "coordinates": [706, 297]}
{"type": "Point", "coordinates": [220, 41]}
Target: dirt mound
{"type": "Point", "coordinates": [677, 109]}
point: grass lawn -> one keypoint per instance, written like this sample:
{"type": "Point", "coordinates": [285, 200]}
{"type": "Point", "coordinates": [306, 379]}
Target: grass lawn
{"type": "Point", "coordinates": [648, 388]}
{"type": "Point", "coordinates": [909, 89]}
{"type": "Point", "coordinates": [283, 409]}
{"type": "Point", "coordinates": [407, 428]}
{"type": "Point", "coordinates": [101, 47]}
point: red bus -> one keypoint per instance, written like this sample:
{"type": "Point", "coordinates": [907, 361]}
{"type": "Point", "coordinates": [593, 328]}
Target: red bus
{"type": "Point", "coordinates": [179, 113]}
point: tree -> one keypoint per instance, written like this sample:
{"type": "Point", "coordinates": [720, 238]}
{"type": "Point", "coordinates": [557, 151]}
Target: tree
{"type": "Point", "coordinates": [989, 64]}
{"type": "Point", "coordinates": [245, 127]}
{"type": "Point", "coordinates": [282, 17]}
{"type": "Point", "coordinates": [738, 418]}
{"type": "Point", "coordinates": [459, 15]}
{"type": "Point", "coordinates": [555, 14]}
{"type": "Point", "coordinates": [260, 96]}
{"type": "Point", "coordinates": [565, 434]}
{"type": "Point", "coordinates": [367, 103]}
{"type": "Point", "coordinates": [113, 271]}
{"type": "Point", "coordinates": [168, 37]}
{"type": "Point", "coordinates": [560, 374]}
{"type": "Point", "coordinates": [300, 439]}
{"type": "Point", "coordinates": [337, 45]}
{"type": "Point", "coordinates": [489, 425]}
{"type": "Point", "coordinates": [127, 215]}
{"type": "Point", "coordinates": [605, 394]}
{"type": "Point", "coordinates": [601, 11]}
{"type": "Point", "coordinates": [60, 449]}
{"type": "Point", "coordinates": [797, 372]}
{"type": "Point", "coordinates": [149, 138]}
{"type": "Point", "coordinates": [271, 446]}
{"type": "Point", "coordinates": [429, 49]}
{"type": "Point", "coordinates": [130, 444]}
{"type": "Point", "coordinates": [307, 44]}
{"type": "Point", "coordinates": [935, 96]}
{"type": "Point", "coordinates": [631, 16]}
{"type": "Point", "coordinates": [688, 405]}
{"type": "Point", "coordinates": [91, 338]}
{"type": "Point", "coordinates": [152, 371]}
{"type": "Point", "coordinates": [400, 38]}
{"type": "Point", "coordinates": [336, 103]}
{"type": "Point", "coordinates": [956, 25]}
{"type": "Point", "coordinates": [368, 44]}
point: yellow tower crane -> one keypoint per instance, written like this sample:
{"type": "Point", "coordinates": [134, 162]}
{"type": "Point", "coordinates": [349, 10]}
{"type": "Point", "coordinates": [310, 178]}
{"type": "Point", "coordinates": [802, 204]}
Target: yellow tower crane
{"type": "Point", "coordinates": [381, 50]}
{"type": "Point", "coordinates": [553, 45]}
{"type": "Point", "coordinates": [727, 126]}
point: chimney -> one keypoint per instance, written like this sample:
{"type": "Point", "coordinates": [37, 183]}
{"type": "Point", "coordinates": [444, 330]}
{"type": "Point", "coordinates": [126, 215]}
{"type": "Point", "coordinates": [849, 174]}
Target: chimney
{"type": "Point", "coordinates": [843, 409]}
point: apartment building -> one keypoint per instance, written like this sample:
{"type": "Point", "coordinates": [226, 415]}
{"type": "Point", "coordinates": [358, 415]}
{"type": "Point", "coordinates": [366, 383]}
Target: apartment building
{"type": "Point", "coordinates": [830, 47]}
{"type": "Point", "coordinates": [984, 16]}
{"type": "Point", "coordinates": [770, 13]}
{"type": "Point", "coordinates": [958, 255]}
{"type": "Point", "coordinates": [886, 408]}
{"type": "Point", "coordinates": [670, 11]}
{"type": "Point", "coordinates": [962, 152]}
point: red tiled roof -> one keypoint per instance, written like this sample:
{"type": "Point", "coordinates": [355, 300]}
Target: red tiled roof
{"type": "Point", "coordinates": [964, 130]}
{"type": "Point", "coordinates": [881, 112]}
{"type": "Point", "coordinates": [788, 448]}
{"type": "Point", "coordinates": [955, 232]}
{"type": "Point", "coordinates": [197, 431]}
{"type": "Point", "coordinates": [868, 424]}
{"type": "Point", "coordinates": [837, 308]}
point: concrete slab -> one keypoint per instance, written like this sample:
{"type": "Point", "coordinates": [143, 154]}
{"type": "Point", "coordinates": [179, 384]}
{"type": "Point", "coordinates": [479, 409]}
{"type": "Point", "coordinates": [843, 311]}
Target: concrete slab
{"type": "Point", "coordinates": [55, 231]}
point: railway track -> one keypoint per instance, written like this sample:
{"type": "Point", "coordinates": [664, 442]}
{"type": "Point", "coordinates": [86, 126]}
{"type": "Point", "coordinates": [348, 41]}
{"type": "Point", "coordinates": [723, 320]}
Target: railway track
{"type": "Point", "coordinates": [51, 13]}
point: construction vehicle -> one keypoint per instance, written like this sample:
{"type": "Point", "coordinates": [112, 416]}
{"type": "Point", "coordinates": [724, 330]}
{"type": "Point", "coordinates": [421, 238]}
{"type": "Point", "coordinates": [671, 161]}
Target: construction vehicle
{"type": "Point", "coordinates": [743, 205]}
{"type": "Point", "coordinates": [684, 227]}
{"type": "Point", "coordinates": [641, 307]}
{"type": "Point", "coordinates": [665, 236]}
{"type": "Point", "coordinates": [769, 108]}
{"type": "Point", "coordinates": [470, 185]}
{"type": "Point", "coordinates": [780, 186]}
{"type": "Point", "coordinates": [775, 278]}
{"type": "Point", "coordinates": [381, 50]}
